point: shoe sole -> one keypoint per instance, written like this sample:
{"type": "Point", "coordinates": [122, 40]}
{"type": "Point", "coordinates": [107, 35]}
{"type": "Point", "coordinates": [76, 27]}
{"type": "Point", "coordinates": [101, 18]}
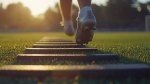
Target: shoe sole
{"type": "Point", "coordinates": [84, 33]}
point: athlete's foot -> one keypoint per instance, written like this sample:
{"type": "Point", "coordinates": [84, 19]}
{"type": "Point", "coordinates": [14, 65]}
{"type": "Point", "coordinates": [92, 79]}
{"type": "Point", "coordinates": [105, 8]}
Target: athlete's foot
{"type": "Point", "coordinates": [68, 28]}
{"type": "Point", "coordinates": [85, 26]}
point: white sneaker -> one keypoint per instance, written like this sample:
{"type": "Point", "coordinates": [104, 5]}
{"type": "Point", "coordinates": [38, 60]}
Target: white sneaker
{"type": "Point", "coordinates": [68, 28]}
{"type": "Point", "coordinates": [85, 26]}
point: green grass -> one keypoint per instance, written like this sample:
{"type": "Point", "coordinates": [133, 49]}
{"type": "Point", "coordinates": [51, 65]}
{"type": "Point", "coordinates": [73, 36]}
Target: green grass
{"type": "Point", "coordinates": [131, 47]}
{"type": "Point", "coordinates": [12, 44]}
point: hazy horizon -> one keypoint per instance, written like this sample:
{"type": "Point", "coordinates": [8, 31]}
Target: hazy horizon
{"type": "Point", "coordinates": [45, 4]}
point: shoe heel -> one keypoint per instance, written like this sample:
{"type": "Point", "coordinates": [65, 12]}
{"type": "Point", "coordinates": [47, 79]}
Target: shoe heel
{"type": "Point", "coordinates": [85, 33]}
{"type": "Point", "coordinates": [89, 27]}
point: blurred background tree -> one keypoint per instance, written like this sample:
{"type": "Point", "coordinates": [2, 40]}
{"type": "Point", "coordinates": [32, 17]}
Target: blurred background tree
{"type": "Point", "coordinates": [115, 15]}
{"type": "Point", "coordinates": [53, 18]}
{"type": "Point", "coordinates": [18, 16]}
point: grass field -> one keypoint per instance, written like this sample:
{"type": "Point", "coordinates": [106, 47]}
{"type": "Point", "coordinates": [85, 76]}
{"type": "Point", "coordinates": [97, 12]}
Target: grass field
{"type": "Point", "coordinates": [131, 48]}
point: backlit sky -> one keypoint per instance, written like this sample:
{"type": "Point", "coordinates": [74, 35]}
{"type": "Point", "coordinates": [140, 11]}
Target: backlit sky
{"type": "Point", "coordinates": [40, 6]}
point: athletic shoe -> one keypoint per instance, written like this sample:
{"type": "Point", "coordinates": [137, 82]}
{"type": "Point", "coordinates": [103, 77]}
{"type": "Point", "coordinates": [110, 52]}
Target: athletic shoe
{"type": "Point", "coordinates": [86, 24]}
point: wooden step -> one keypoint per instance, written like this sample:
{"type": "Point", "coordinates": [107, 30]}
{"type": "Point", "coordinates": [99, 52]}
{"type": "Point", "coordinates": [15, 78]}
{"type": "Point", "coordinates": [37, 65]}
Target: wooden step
{"type": "Point", "coordinates": [55, 42]}
{"type": "Point", "coordinates": [58, 50]}
{"type": "Point", "coordinates": [87, 71]}
{"type": "Point", "coordinates": [74, 57]}
{"type": "Point", "coordinates": [58, 46]}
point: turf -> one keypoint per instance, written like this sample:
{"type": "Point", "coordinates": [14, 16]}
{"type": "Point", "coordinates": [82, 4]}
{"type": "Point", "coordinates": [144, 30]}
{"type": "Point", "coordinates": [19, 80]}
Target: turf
{"type": "Point", "coordinates": [131, 47]}
{"type": "Point", "coordinates": [12, 44]}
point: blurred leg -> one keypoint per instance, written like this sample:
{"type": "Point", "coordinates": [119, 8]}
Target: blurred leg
{"type": "Point", "coordinates": [83, 3]}
{"type": "Point", "coordinates": [65, 6]}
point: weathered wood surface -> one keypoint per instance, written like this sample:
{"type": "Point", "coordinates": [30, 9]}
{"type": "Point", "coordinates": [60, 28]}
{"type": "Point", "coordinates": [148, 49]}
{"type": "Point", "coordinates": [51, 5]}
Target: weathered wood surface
{"type": "Point", "coordinates": [108, 70]}
{"type": "Point", "coordinates": [58, 46]}
{"type": "Point", "coordinates": [58, 50]}
{"type": "Point", "coordinates": [56, 43]}
{"type": "Point", "coordinates": [73, 57]}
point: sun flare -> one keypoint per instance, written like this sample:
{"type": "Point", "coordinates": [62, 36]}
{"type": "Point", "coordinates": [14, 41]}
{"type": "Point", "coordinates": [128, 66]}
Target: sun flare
{"type": "Point", "coordinates": [38, 6]}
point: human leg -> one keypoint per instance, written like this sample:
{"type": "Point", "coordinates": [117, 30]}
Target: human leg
{"type": "Point", "coordinates": [83, 3]}
{"type": "Point", "coordinates": [65, 6]}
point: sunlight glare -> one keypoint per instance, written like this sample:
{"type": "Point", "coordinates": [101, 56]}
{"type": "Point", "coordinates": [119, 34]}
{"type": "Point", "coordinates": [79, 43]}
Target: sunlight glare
{"type": "Point", "coordinates": [38, 7]}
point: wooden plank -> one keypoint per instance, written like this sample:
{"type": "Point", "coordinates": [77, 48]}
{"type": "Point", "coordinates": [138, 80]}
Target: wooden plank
{"type": "Point", "coordinates": [100, 71]}
{"type": "Point", "coordinates": [74, 57]}
{"type": "Point", "coordinates": [55, 40]}
{"type": "Point", "coordinates": [58, 46]}
{"type": "Point", "coordinates": [56, 43]}
{"type": "Point", "coordinates": [58, 50]}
